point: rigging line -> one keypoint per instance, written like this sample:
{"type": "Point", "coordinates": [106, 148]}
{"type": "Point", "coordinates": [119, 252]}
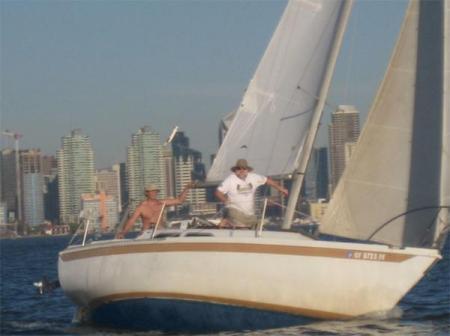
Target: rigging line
{"type": "Point", "coordinates": [406, 213]}
{"type": "Point", "coordinates": [351, 54]}
{"type": "Point", "coordinates": [297, 115]}
{"type": "Point", "coordinates": [427, 231]}
{"type": "Point", "coordinates": [295, 211]}
{"type": "Point", "coordinates": [321, 37]}
{"type": "Point", "coordinates": [329, 104]}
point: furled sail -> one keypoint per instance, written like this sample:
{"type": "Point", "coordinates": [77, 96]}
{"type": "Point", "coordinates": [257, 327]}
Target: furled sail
{"type": "Point", "coordinates": [272, 121]}
{"type": "Point", "coordinates": [396, 186]}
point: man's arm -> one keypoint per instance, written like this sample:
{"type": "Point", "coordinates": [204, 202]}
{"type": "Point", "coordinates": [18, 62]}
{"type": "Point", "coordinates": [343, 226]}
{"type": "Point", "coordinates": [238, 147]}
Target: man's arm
{"type": "Point", "coordinates": [277, 186]}
{"type": "Point", "coordinates": [181, 197]}
{"type": "Point", "coordinates": [130, 222]}
{"type": "Point", "coordinates": [221, 196]}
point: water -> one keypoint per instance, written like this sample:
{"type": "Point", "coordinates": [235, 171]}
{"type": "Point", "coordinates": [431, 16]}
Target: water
{"type": "Point", "coordinates": [424, 311]}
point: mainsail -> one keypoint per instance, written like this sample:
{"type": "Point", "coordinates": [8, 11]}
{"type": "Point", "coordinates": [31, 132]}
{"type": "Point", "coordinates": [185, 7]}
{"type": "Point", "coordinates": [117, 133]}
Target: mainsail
{"type": "Point", "coordinates": [272, 122]}
{"type": "Point", "coordinates": [396, 188]}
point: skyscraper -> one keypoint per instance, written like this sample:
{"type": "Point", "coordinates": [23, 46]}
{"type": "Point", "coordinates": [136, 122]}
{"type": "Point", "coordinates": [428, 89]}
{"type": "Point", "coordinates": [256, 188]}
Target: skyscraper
{"type": "Point", "coordinates": [169, 170]}
{"type": "Point", "coordinates": [144, 165]}
{"type": "Point", "coordinates": [322, 180]}
{"type": "Point", "coordinates": [316, 179]}
{"type": "Point", "coordinates": [75, 174]}
{"type": "Point", "coordinates": [32, 187]}
{"type": "Point", "coordinates": [123, 185]}
{"type": "Point", "coordinates": [33, 199]}
{"type": "Point", "coordinates": [343, 132]}
{"type": "Point", "coordinates": [187, 167]}
{"type": "Point", "coordinates": [8, 182]}
{"type": "Point", "coordinates": [49, 170]}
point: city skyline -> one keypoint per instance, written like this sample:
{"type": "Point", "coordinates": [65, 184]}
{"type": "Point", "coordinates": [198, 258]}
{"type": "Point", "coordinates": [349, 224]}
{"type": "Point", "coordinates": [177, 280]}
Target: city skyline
{"type": "Point", "coordinates": [110, 68]}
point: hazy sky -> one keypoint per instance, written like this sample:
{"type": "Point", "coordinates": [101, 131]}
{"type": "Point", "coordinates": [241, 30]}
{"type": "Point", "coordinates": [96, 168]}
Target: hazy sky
{"type": "Point", "coordinates": [110, 67]}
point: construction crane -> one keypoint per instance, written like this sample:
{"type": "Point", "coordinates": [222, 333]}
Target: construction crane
{"type": "Point", "coordinates": [16, 136]}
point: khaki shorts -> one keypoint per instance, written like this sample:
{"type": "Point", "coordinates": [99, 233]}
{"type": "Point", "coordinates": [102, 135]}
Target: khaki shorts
{"type": "Point", "coordinates": [238, 218]}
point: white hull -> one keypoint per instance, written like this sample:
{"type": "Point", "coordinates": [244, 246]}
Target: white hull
{"type": "Point", "coordinates": [278, 272]}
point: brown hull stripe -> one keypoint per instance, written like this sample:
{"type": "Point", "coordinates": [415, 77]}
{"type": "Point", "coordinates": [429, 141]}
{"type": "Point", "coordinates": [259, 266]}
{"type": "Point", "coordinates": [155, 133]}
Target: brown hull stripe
{"type": "Point", "coordinates": [218, 300]}
{"type": "Point", "coordinates": [234, 248]}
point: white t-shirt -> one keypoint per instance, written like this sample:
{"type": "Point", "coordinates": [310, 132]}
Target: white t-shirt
{"type": "Point", "coordinates": [241, 193]}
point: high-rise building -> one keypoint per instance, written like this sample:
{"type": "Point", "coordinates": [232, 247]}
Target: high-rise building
{"type": "Point", "coordinates": [49, 165]}
{"type": "Point", "coordinates": [101, 209]}
{"type": "Point", "coordinates": [316, 179]}
{"type": "Point", "coordinates": [33, 199]}
{"type": "Point", "coordinates": [169, 170]}
{"type": "Point", "coordinates": [144, 165]}
{"type": "Point", "coordinates": [8, 182]}
{"type": "Point", "coordinates": [51, 199]}
{"type": "Point", "coordinates": [75, 174]}
{"type": "Point", "coordinates": [322, 177]}
{"type": "Point", "coordinates": [108, 181]}
{"type": "Point", "coordinates": [343, 131]}
{"type": "Point", "coordinates": [3, 213]}
{"type": "Point", "coordinates": [123, 185]}
{"type": "Point", "coordinates": [30, 161]}
{"type": "Point", "coordinates": [49, 170]}
{"type": "Point", "coordinates": [187, 167]}
{"type": "Point", "coordinates": [32, 187]}
{"type": "Point", "coordinates": [184, 167]}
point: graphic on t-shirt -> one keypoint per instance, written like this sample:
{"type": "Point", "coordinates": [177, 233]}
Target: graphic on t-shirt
{"type": "Point", "coordinates": [244, 188]}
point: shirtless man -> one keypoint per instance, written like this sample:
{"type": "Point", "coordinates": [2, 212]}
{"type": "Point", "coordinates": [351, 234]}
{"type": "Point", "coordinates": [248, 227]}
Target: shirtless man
{"type": "Point", "coordinates": [150, 209]}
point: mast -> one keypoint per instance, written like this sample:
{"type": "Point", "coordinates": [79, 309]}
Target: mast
{"type": "Point", "coordinates": [443, 218]}
{"type": "Point", "coordinates": [302, 164]}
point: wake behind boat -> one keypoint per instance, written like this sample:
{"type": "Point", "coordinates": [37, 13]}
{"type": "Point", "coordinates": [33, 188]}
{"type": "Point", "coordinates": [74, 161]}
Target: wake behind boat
{"type": "Point", "coordinates": [208, 279]}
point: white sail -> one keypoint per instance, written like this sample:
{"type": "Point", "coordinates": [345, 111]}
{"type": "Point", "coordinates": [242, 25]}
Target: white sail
{"type": "Point", "coordinates": [272, 121]}
{"type": "Point", "coordinates": [398, 177]}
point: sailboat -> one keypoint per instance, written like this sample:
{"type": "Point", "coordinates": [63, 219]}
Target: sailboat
{"type": "Point", "coordinates": [391, 203]}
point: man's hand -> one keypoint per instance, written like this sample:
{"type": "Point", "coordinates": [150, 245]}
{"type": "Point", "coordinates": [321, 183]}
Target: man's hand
{"type": "Point", "coordinates": [120, 235]}
{"type": "Point", "coordinates": [191, 185]}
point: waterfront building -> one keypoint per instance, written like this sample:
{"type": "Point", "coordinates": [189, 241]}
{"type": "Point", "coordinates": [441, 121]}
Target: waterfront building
{"type": "Point", "coordinates": [101, 210]}
{"type": "Point", "coordinates": [51, 202]}
{"type": "Point", "coordinates": [3, 218]}
{"type": "Point", "coordinates": [33, 199]}
{"type": "Point", "coordinates": [49, 170]}
{"type": "Point", "coordinates": [75, 174]}
{"type": "Point", "coordinates": [32, 187]}
{"type": "Point", "coordinates": [343, 131]}
{"type": "Point", "coordinates": [144, 165]}
{"type": "Point", "coordinates": [8, 182]}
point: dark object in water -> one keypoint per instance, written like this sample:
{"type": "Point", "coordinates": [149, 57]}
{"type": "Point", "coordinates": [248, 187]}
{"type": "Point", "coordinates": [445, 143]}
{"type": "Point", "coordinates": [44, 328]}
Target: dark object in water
{"type": "Point", "coordinates": [45, 286]}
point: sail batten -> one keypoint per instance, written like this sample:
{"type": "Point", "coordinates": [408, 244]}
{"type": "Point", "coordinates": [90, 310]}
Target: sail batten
{"type": "Point", "coordinates": [273, 119]}
{"type": "Point", "coordinates": [392, 189]}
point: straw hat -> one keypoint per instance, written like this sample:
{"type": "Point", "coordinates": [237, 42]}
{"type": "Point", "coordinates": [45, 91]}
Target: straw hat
{"type": "Point", "coordinates": [241, 163]}
{"type": "Point", "coordinates": [152, 187]}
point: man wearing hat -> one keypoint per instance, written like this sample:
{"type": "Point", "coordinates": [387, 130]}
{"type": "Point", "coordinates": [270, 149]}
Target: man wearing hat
{"type": "Point", "coordinates": [237, 192]}
{"type": "Point", "coordinates": [150, 209]}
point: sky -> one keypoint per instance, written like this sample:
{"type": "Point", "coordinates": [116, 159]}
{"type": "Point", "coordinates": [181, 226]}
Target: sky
{"type": "Point", "coordinates": [111, 67]}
